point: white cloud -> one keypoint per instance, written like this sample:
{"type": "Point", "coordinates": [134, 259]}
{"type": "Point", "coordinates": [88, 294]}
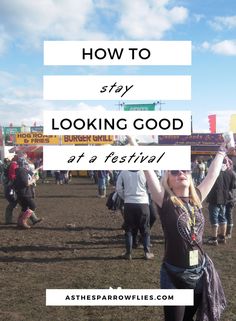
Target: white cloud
{"type": "Point", "coordinates": [31, 22]}
{"type": "Point", "coordinates": [84, 106]}
{"type": "Point", "coordinates": [18, 88]}
{"type": "Point", "coordinates": [206, 45]}
{"type": "Point", "coordinates": [6, 79]}
{"type": "Point", "coordinates": [28, 23]}
{"type": "Point", "coordinates": [106, 5]}
{"type": "Point", "coordinates": [4, 40]}
{"type": "Point", "coordinates": [24, 103]}
{"type": "Point", "coordinates": [222, 23]}
{"type": "Point", "coordinates": [27, 110]}
{"type": "Point", "coordinates": [198, 17]}
{"type": "Point", "coordinates": [149, 19]}
{"type": "Point", "coordinates": [225, 47]}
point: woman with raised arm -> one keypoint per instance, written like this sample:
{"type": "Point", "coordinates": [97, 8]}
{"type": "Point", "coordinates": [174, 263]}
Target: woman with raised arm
{"type": "Point", "coordinates": [185, 265]}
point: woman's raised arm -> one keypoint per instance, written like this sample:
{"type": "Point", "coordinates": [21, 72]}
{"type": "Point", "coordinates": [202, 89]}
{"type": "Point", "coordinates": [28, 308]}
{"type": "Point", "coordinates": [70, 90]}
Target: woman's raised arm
{"type": "Point", "coordinates": [154, 186]}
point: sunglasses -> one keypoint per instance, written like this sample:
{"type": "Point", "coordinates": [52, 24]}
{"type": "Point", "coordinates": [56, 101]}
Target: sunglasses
{"type": "Point", "coordinates": [178, 172]}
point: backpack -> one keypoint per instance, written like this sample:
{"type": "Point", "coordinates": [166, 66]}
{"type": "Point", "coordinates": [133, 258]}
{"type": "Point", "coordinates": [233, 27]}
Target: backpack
{"type": "Point", "coordinates": [114, 202]}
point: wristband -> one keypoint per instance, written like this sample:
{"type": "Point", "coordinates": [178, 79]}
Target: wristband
{"type": "Point", "coordinates": [222, 149]}
{"type": "Point", "coordinates": [221, 152]}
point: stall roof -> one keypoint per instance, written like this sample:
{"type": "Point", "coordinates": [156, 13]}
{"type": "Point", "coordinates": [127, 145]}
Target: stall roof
{"type": "Point", "coordinates": [27, 149]}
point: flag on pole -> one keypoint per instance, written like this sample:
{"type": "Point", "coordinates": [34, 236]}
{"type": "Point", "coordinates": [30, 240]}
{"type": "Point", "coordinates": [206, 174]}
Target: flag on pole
{"type": "Point", "coordinates": [212, 123]}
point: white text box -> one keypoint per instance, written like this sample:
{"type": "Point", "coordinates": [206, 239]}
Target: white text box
{"type": "Point", "coordinates": [117, 87]}
{"type": "Point", "coordinates": [117, 53]}
{"type": "Point", "coordinates": [118, 297]}
{"type": "Point", "coordinates": [117, 123]}
{"type": "Point", "coordinates": [116, 157]}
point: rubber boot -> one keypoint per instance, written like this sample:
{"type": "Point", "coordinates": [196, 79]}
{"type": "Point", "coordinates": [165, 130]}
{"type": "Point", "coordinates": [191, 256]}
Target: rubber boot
{"type": "Point", "coordinates": [135, 240]}
{"type": "Point", "coordinates": [9, 214]}
{"type": "Point", "coordinates": [19, 220]}
{"type": "Point", "coordinates": [24, 218]}
{"type": "Point", "coordinates": [128, 245]}
{"type": "Point", "coordinates": [146, 246]}
{"type": "Point", "coordinates": [34, 218]}
{"type": "Point", "coordinates": [9, 211]}
{"type": "Point", "coordinates": [229, 231]}
{"type": "Point", "coordinates": [222, 233]}
{"type": "Point", "coordinates": [146, 242]}
{"type": "Point", "coordinates": [101, 193]}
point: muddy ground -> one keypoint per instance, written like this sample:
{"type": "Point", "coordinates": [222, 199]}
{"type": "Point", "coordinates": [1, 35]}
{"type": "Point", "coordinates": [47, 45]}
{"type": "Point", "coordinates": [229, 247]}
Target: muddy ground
{"type": "Point", "coordinates": [51, 256]}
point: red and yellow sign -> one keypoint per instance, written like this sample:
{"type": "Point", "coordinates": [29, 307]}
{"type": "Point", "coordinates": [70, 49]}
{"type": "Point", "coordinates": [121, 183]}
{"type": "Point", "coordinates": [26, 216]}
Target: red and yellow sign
{"type": "Point", "coordinates": [36, 139]}
{"type": "Point", "coordinates": [87, 140]}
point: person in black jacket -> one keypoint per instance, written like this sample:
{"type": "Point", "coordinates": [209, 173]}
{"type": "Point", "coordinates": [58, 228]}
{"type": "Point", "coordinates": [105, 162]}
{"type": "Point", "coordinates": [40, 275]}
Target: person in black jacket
{"type": "Point", "coordinates": [25, 194]}
{"type": "Point", "coordinates": [9, 192]}
{"type": "Point", "coordinates": [217, 199]}
{"type": "Point", "coordinates": [231, 201]}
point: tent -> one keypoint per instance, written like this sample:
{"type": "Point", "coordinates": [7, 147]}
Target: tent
{"type": "Point", "coordinates": [33, 151]}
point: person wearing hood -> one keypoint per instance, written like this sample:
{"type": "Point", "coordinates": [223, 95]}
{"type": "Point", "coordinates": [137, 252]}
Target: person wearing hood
{"type": "Point", "coordinates": [23, 183]}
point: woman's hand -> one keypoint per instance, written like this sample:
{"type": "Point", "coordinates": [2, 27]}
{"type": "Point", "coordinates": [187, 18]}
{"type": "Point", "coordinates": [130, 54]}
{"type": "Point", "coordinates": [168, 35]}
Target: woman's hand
{"type": "Point", "coordinates": [223, 148]}
{"type": "Point", "coordinates": [32, 181]}
{"type": "Point", "coordinates": [132, 140]}
{"type": "Point", "coordinates": [227, 150]}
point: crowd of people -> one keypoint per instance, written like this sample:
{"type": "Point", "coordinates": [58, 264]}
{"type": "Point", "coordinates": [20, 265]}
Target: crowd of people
{"type": "Point", "coordinates": [177, 196]}
{"type": "Point", "coordinates": [19, 177]}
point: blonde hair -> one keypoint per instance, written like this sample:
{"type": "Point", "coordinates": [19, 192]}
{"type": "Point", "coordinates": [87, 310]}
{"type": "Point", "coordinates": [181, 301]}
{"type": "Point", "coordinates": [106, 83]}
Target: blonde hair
{"type": "Point", "coordinates": [176, 200]}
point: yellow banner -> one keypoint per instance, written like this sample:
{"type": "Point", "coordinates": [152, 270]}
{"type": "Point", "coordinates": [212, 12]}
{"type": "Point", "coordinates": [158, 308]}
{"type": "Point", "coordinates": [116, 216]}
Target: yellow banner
{"type": "Point", "coordinates": [36, 139]}
{"type": "Point", "coordinates": [232, 123]}
{"type": "Point", "coordinates": [87, 140]}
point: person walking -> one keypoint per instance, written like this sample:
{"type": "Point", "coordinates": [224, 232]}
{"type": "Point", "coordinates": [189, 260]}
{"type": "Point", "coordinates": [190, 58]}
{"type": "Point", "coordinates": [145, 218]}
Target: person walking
{"type": "Point", "coordinates": [132, 188]}
{"type": "Point", "coordinates": [102, 183]}
{"type": "Point", "coordinates": [9, 192]}
{"type": "Point", "coordinates": [201, 170]}
{"type": "Point", "coordinates": [185, 264]}
{"type": "Point", "coordinates": [24, 187]}
{"type": "Point", "coordinates": [230, 202]}
{"type": "Point", "coordinates": [218, 198]}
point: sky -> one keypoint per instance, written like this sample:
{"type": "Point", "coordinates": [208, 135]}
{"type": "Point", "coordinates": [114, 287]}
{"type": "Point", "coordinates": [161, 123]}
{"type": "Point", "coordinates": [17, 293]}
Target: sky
{"type": "Point", "coordinates": [209, 24]}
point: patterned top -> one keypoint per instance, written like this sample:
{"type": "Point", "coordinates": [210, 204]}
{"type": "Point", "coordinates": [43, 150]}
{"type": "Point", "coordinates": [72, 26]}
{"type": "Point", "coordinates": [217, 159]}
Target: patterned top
{"type": "Point", "coordinates": [178, 224]}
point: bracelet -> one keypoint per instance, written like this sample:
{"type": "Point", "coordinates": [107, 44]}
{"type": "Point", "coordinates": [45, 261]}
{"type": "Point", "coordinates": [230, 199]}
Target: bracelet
{"type": "Point", "coordinates": [221, 152]}
{"type": "Point", "coordinates": [222, 149]}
